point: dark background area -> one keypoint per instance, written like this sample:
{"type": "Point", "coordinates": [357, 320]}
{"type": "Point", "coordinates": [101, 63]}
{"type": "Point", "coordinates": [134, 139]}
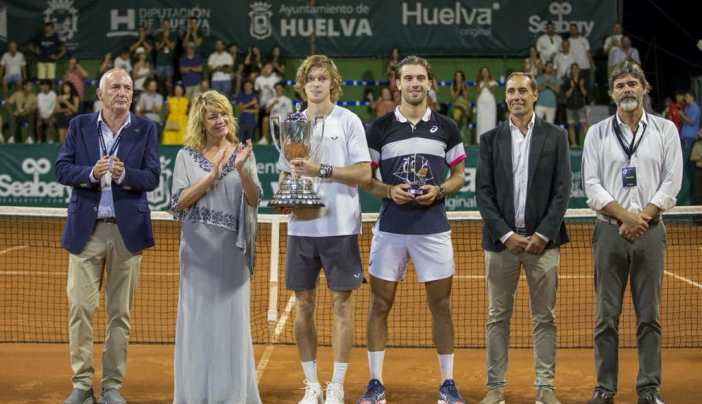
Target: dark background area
{"type": "Point", "coordinates": [666, 35]}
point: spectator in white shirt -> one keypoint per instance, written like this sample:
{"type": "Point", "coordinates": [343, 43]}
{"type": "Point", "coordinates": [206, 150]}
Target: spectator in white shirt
{"type": "Point", "coordinates": [549, 43]}
{"type": "Point", "coordinates": [46, 104]}
{"type": "Point", "coordinates": [123, 61]}
{"type": "Point", "coordinates": [580, 48]}
{"type": "Point", "coordinates": [280, 105]}
{"type": "Point", "coordinates": [13, 67]}
{"type": "Point", "coordinates": [614, 40]}
{"type": "Point", "coordinates": [621, 54]}
{"type": "Point", "coordinates": [220, 63]}
{"type": "Point", "coordinates": [151, 102]}
{"type": "Point", "coordinates": [563, 60]}
{"type": "Point", "coordinates": [264, 86]}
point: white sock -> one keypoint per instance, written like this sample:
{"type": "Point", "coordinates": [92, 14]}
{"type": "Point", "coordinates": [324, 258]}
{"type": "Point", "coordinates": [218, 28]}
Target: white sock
{"type": "Point", "coordinates": [446, 366]}
{"type": "Point", "coordinates": [310, 369]}
{"type": "Point", "coordinates": [339, 372]}
{"type": "Point", "coordinates": [375, 364]}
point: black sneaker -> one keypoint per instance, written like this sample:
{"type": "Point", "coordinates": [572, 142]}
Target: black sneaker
{"type": "Point", "coordinates": [650, 397]}
{"type": "Point", "coordinates": [601, 397]}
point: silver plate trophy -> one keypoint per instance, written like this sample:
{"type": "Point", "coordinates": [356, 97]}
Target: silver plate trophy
{"type": "Point", "coordinates": [296, 137]}
{"type": "Point", "coordinates": [415, 171]}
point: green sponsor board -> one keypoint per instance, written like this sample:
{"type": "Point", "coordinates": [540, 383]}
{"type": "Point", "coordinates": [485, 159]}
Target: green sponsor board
{"type": "Point", "coordinates": [90, 28]}
{"type": "Point", "coordinates": [27, 179]}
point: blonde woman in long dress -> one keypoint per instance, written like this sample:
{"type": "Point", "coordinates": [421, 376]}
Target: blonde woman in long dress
{"type": "Point", "coordinates": [215, 194]}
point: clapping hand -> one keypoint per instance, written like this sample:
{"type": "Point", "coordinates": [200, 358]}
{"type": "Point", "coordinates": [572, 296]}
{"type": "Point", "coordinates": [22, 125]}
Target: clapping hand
{"type": "Point", "coordinates": [245, 150]}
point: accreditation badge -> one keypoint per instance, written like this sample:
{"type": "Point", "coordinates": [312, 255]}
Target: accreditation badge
{"type": "Point", "coordinates": [629, 177]}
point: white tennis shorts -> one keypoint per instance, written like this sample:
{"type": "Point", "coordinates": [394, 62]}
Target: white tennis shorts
{"type": "Point", "coordinates": [432, 255]}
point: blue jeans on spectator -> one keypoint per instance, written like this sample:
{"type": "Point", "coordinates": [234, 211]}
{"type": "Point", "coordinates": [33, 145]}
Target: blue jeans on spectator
{"type": "Point", "coordinates": [224, 87]}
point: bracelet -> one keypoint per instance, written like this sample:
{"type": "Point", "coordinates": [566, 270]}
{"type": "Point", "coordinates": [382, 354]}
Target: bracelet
{"type": "Point", "coordinates": [442, 192]}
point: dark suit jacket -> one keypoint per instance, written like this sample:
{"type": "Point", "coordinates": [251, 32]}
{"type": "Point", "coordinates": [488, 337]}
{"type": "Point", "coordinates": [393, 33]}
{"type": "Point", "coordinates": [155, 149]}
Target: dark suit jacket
{"type": "Point", "coordinates": [138, 149]}
{"type": "Point", "coordinates": [548, 185]}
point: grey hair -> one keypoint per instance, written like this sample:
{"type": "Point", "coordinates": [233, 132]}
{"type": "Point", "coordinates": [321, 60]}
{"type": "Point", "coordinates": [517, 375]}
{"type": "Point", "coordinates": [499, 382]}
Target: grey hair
{"type": "Point", "coordinates": [631, 69]}
{"type": "Point", "coordinates": [103, 79]}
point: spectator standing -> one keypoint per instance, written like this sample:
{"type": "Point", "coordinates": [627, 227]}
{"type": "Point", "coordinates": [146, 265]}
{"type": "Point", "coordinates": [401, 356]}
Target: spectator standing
{"type": "Point", "coordinates": [202, 88]}
{"type": "Point", "coordinates": [142, 71]}
{"type": "Point", "coordinates": [176, 116]}
{"type": "Point", "coordinates": [142, 42]}
{"type": "Point", "coordinates": [49, 49]}
{"type": "Point", "coordinates": [277, 61]}
{"type": "Point", "coordinates": [580, 47]}
{"type": "Point", "coordinates": [13, 67]}
{"type": "Point", "coordinates": [486, 105]}
{"type": "Point", "coordinates": [264, 86]}
{"type": "Point", "coordinates": [192, 33]}
{"type": "Point", "coordinates": [22, 106]}
{"type": "Point", "coordinates": [46, 104]}
{"type": "Point", "coordinates": [281, 104]}
{"type": "Point", "coordinates": [237, 68]}
{"type": "Point", "coordinates": [563, 60]}
{"type": "Point", "coordinates": [221, 63]}
{"type": "Point", "coordinates": [672, 109]}
{"type": "Point", "coordinates": [150, 104]}
{"type": "Point", "coordinates": [549, 43]}
{"type": "Point", "coordinates": [67, 106]}
{"type": "Point", "coordinates": [575, 94]}
{"type": "Point", "coordinates": [383, 104]}
{"type": "Point", "coordinates": [76, 74]}
{"type": "Point", "coordinates": [614, 40]}
{"type": "Point", "coordinates": [532, 63]}
{"type": "Point", "coordinates": [548, 87]}
{"type": "Point", "coordinates": [459, 99]}
{"type": "Point", "coordinates": [190, 66]}
{"type": "Point", "coordinates": [165, 46]}
{"type": "Point", "coordinates": [123, 61]}
{"type": "Point", "coordinates": [248, 112]}
{"type": "Point", "coordinates": [623, 53]}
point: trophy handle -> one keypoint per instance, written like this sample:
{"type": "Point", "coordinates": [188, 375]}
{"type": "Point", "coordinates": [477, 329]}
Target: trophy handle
{"type": "Point", "coordinates": [276, 133]}
{"type": "Point", "coordinates": [314, 151]}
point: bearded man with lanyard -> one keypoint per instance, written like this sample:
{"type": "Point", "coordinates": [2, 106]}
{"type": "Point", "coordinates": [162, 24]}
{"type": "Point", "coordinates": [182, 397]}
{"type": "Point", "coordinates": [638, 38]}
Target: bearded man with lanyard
{"type": "Point", "coordinates": [632, 171]}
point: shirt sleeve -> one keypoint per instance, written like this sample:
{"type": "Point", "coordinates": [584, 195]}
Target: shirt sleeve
{"type": "Point", "coordinates": [357, 144]}
{"type": "Point", "coordinates": [374, 139]}
{"type": "Point", "coordinates": [597, 195]}
{"type": "Point", "coordinates": [671, 177]}
{"type": "Point", "coordinates": [455, 152]}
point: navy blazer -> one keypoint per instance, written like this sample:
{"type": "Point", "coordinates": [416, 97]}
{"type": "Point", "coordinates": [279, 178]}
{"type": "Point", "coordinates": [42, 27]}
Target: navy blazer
{"type": "Point", "coordinates": [138, 149]}
{"type": "Point", "coordinates": [548, 184]}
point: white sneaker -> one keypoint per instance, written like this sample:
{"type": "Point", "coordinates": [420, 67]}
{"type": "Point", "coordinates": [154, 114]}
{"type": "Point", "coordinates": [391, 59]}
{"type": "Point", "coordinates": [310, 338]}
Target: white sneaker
{"type": "Point", "coordinates": [313, 394]}
{"type": "Point", "coordinates": [335, 393]}
{"type": "Point", "coordinates": [29, 140]}
{"type": "Point", "coordinates": [11, 140]}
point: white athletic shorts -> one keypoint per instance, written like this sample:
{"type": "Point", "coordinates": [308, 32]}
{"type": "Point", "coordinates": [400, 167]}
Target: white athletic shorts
{"type": "Point", "coordinates": [432, 255]}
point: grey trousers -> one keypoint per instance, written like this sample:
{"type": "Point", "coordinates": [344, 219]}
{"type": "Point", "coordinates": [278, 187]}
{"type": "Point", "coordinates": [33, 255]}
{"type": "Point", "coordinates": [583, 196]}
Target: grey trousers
{"type": "Point", "coordinates": [617, 261]}
{"type": "Point", "coordinates": [502, 274]}
{"type": "Point", "coordinates": [104, 248]}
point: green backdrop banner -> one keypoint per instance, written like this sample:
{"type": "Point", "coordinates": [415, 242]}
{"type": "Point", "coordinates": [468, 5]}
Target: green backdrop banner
{"type": "Point", "coordinates": [363, 28]}
{"type": "Point", "coordinates": [27, 179]}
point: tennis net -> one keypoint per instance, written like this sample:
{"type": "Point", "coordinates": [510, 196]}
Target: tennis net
{"type": "Point", "coordinates": [33, 303]}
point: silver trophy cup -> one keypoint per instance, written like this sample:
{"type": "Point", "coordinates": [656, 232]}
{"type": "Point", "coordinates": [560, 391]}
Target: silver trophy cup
{"type": "Point", "coordinates": [296, 137]}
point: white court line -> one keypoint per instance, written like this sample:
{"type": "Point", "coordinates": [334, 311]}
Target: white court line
{"type": "Point", "coordinates": [63, 273]}
{"type": "Point", "coordinates": [524, 277]}
{"type": "Point", "coordinates": [279, 326]}
{"type": "Point", "coordinates": [15, 248]}
{"type": "Point", "coordinates": [683, 279]}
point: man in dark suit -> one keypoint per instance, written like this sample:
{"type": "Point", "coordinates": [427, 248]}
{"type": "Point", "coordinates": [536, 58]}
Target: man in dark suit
{"type": "Point", "coordinates": [111, 160]}
{"type": "Point", "coordinates": [523, 187]}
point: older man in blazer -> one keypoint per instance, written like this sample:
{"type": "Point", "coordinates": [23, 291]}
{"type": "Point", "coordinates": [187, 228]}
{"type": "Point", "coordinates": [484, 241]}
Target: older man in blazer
{"type": "Point", "coordinates": [523, 183]}
{"type": "Point", "coordinates": [111, 160]}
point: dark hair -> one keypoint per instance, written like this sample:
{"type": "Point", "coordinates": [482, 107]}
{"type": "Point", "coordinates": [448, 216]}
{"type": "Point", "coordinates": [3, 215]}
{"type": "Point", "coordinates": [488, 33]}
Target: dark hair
{"type": "Point", "coordinates": [415, 60]}
{"type": "Point", "coordinates": [72, 88]}
{"type": "Point", "coordinates": [628, 68]}
{"type": "Point", "coordinates": [45, 81]}
{"type": "Point", "coordinates": [532, 82]}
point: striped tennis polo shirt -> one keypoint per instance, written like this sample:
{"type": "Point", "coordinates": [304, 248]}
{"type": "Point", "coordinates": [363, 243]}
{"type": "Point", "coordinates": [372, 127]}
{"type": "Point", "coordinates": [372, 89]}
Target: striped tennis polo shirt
{"type": "Point", "coordinates": [405, 153]}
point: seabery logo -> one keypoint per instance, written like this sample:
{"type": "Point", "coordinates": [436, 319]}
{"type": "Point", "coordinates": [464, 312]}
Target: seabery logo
{"type": "Point", "coordinates": [34, 190]}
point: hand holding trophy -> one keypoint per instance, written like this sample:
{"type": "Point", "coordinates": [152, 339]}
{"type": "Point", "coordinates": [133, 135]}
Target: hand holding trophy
{"type": "Point", "coordinates": [296, 137]}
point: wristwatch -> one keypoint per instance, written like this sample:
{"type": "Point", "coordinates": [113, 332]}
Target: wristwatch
{"type": "Point", "coordinates": [442, 192]}
{"type": "Point", "coordinates": [325, 170]}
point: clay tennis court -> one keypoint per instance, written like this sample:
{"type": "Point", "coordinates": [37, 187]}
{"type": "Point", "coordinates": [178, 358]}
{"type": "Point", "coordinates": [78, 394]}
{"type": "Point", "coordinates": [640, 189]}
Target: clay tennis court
{"type": "Point", "coordinates": [33, 311]}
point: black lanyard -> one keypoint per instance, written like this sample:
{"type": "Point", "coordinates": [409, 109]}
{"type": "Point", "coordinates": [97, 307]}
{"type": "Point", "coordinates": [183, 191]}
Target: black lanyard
{"type": "Point", "coordinates": [631, 148]}
{"type": "Point", "coordinates": [103, 146]}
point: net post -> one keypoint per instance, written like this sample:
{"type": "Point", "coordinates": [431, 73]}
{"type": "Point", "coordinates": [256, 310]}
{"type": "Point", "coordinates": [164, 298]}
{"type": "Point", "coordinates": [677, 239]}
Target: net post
{"type": "Point", "coordinates": [273, 270]}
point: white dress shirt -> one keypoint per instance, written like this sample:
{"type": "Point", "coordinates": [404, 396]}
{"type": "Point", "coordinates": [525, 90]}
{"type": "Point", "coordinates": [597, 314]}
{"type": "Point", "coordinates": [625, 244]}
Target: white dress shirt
{"type": "Point", "coordinates": [521, 144]}
{"type": "Point", "coordinates": [658, 161]}
{"type": "Point", "coordinates": [548, 46]}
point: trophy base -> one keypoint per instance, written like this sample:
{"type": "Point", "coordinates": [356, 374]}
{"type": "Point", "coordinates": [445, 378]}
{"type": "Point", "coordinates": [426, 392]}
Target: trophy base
{"type": "Point", "coordinates": [296, 193]}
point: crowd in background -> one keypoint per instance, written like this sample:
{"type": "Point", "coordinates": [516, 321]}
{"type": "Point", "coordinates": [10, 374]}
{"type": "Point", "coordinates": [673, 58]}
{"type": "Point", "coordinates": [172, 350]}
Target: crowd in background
{"type": "Point", "coordinates": [169, 69]}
